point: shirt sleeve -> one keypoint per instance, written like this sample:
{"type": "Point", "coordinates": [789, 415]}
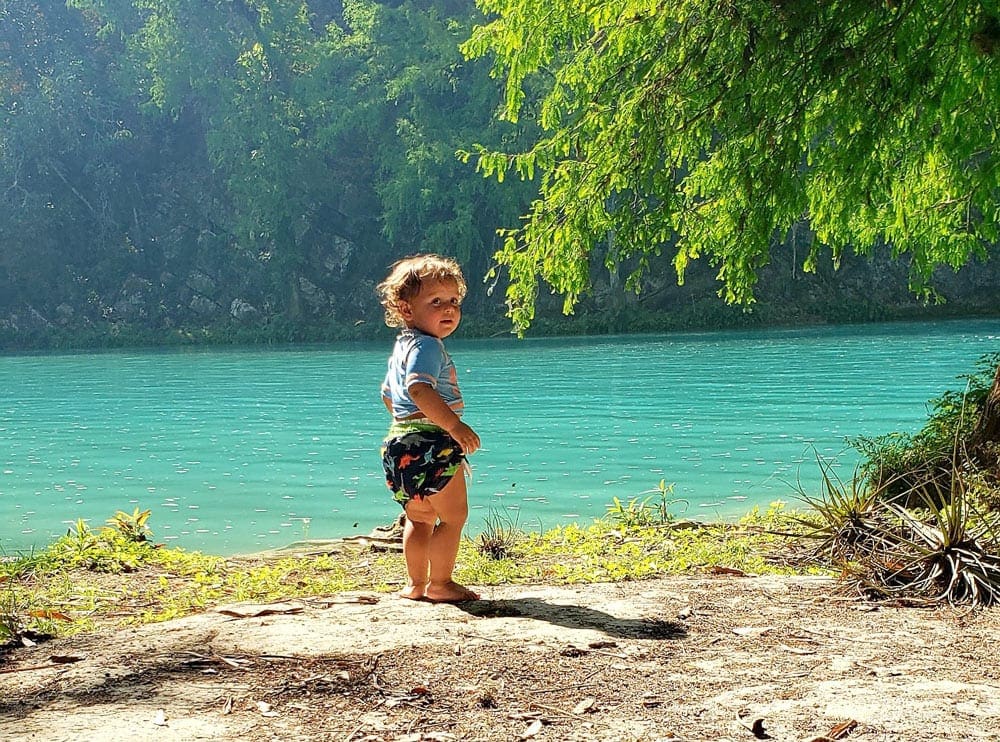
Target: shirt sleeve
{"type": "Point", "coordinates": [424, 362]}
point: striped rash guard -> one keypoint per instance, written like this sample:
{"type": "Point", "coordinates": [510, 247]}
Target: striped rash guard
{"type": "Point", "coordinates": [419, 358]}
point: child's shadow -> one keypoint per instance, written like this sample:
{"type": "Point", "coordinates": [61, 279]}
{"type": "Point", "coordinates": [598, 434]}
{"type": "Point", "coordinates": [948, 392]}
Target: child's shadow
{"type": "Point", "coordinates": [575, 617]}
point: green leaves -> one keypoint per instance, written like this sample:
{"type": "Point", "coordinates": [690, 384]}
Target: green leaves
{"type": "Point", "coordinates": [714, 128]}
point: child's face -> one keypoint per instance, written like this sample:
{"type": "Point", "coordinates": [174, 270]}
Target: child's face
{"type": "Point", "coordinates": [436, 310]}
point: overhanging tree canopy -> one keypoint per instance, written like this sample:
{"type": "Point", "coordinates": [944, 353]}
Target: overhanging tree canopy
{"type": "Point", "coordinates": [712, 127]}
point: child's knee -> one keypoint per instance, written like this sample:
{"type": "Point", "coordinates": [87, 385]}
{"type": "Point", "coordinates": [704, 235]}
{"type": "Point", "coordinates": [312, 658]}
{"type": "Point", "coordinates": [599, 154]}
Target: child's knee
{"type": "Point", "coordinates": [420, 512]}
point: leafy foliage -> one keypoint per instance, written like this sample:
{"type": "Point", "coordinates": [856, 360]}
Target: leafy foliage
{"type": "Point", "coordinates": [899, 460]}
{"type": "Point", "coordinates": [181, 171]}
{"type": "Point", "coordinates": [951, 553]}
{"type": "Point", "coordinates": [11, 624]}
{"type": "Point", "coordinates": [121, 547]}
{"type": "Point", "coordinates": [919, 518]}
{"type": "Point", "coordinates": [915, 537]}
{"type": "Point", "coordinates": [63, 154]}
{"type": "Point", "coordinates": [653, 510]}
{"type": "Point", "coordinates": [132, 527]}
{"type": "Point", "coordinates": [161, 160]}
{"type": "Point", "coordinates": [713, 128]}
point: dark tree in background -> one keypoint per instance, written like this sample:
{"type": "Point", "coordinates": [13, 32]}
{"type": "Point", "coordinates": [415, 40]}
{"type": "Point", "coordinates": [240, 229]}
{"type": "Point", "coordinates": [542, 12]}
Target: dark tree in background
{"type": "Point", "coordinates": [181, 164]}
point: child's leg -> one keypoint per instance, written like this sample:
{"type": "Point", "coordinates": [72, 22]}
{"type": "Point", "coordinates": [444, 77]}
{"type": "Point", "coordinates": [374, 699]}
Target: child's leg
{"type": "Point", "coordinates": [417, 532]}
{"type": "Point", "coordinates": [451, 506]}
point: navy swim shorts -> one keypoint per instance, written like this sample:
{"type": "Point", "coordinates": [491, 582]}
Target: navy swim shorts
{"type": "Point", "coordinates": [419, 459]}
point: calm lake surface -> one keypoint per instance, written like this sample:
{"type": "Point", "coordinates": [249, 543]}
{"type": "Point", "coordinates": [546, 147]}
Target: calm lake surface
{"type": "Point", "coordinates": [236, 451]}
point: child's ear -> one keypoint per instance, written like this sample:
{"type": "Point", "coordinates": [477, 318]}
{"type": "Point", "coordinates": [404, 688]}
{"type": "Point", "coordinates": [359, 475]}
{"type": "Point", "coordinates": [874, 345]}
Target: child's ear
{"type": "Point", "coordinates": [404, 309]}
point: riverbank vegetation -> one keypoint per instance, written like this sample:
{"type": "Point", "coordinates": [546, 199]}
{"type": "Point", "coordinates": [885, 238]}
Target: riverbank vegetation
{"type": "Point", "coordinates": [921, 517]}
{"type": "Point", "coordinates": [117, 575]}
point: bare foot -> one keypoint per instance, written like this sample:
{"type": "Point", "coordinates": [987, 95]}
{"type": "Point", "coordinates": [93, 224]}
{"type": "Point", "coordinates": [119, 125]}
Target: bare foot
{"type": "Point", "coordinates": [449, 592]}
{"type": "Point", "coordinates": [413, 592]}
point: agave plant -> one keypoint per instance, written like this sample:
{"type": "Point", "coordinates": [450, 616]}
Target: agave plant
{"type": "Point", "coordinates": [847, 519]}
{"type": "Point", "coordinates": [943, 551]}
{"type": "Point", "coordinates": [500, 536]}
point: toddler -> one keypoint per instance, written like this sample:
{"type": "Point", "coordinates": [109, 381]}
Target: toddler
{"type": "Point", "coordinates": [424, 452]}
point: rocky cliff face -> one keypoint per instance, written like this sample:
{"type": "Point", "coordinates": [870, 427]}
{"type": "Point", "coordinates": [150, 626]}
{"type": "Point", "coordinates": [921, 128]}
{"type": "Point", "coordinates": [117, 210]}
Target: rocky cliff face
{"type": "Point", "coordinates": [220, 289]}
{"type": "Point", "coordinates": [225, 294]}
{"type": "Point", "coordinates": [862, 289]}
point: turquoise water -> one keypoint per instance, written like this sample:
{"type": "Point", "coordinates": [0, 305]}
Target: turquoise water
{"type": "Point", "coordinates": [239, 450]}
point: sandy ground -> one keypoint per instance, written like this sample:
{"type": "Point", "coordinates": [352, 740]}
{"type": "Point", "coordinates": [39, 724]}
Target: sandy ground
{"type": "Point", "coordinates": [718, 657]}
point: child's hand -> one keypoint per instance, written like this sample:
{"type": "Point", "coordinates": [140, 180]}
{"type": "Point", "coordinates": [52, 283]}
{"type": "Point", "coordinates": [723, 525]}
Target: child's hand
{"type": "Point", "coordinates": [431, 404]}
{"type": "Point", "coordinates": [466, 437]}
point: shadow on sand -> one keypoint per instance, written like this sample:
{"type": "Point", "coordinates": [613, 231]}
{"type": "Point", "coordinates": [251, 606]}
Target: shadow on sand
{"type": "Point", "coordinates": [575, 617]}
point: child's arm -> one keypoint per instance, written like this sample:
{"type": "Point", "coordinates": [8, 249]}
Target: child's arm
{"type": "Point", "coordinates": [437, 411]}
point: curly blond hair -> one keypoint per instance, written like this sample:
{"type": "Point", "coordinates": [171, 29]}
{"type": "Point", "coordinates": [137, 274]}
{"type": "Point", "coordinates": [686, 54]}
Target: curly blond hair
{"type": "Point", "coordinates": [406, 276]}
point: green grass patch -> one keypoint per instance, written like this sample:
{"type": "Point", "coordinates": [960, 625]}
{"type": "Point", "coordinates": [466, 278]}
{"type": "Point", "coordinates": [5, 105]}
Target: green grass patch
{"type": "Point", "coordinates": [118, 577]}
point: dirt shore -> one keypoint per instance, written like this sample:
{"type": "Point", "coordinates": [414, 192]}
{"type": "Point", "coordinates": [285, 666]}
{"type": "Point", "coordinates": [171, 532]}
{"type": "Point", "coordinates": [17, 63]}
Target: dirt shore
{"type": "Point", "coordinates": [718, 657]}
